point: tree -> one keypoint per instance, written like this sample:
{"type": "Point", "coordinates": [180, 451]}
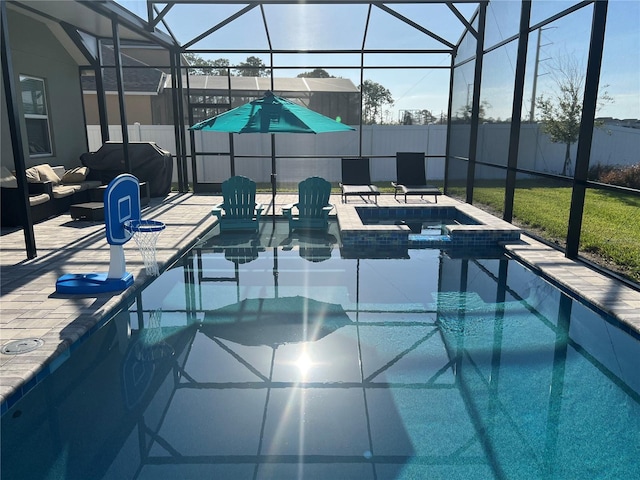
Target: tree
{"type": "Point", "coordinates": [374, 97]}
{"type": "Point", "coordinates": [427, 117]}
{"type": "Point", "coordinates": [443, 119]}
{"type": "Point", "coordinates": [416, 117]}
{"type": "Point", "coordinates": [315, 73]}
{"type": "Point", "coordinates": [464, 112]}
{"type": "Point", "coordinates": [252, 67]}
{"type": "Point", "coordinates": [202, 66]}
{"type": "Point", "coordinates": [222, 67]}
{"type": "Point", "coordinates": [561, 111]}
{"type": "Point", "coordinates": [196, 60]}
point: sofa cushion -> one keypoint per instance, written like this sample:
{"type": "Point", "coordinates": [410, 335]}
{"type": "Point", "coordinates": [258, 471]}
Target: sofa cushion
{"type": "Point", "coordinates": [38, 199]}
{"type": "Point", "coordinates": [7, 179]}
{"type": "Point", "coordinates": [61, 191]}
{"type": "Point", "coordinates": [75, 175]}
{"type": "Point", "coordinates": [59, 170]}
{"type": "Point", "coordinates": [32, 174]}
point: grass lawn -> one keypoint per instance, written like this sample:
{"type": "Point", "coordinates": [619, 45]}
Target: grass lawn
{"type": "Point", "coordinates": [610, 226]}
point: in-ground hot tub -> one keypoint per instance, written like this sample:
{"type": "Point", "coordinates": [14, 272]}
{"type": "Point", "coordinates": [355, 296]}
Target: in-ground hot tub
{"type": "Point", "coordinates": [427, 226]}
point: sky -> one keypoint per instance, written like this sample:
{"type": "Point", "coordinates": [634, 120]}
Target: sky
{"type": "Point", "coordinates": [327, 27]}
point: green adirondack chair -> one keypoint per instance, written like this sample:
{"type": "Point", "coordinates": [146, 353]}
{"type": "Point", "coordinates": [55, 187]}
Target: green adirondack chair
{"type": "Point", "coordinates": [241, 212]}
{"type": "Point", "coordinates": [313, 206]}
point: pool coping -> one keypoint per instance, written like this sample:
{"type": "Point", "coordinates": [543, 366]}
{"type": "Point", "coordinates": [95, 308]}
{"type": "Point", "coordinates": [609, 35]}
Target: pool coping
{"type": "Point", "coordinates": [489, 231]}
{"type": "Point", "coordinates": [602, 293]}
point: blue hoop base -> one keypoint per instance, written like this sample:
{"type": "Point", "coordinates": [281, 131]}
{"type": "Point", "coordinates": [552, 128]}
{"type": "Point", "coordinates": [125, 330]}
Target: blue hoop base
{"type": "Point", "coordinates": [90, 283]}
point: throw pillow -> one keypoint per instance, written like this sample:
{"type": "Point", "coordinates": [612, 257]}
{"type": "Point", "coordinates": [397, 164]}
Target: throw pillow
{"type": "Point", "coordinates": [47, 174]}
{"type": "Point", "coordinates": [32, 175]}
{"type": "Point", "coordinates": [75, 175]}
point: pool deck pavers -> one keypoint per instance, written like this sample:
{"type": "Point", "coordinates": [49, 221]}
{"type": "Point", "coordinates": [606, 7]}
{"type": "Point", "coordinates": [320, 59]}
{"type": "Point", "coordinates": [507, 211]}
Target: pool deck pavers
{"type": "Point", "coordinates": [30, 307]}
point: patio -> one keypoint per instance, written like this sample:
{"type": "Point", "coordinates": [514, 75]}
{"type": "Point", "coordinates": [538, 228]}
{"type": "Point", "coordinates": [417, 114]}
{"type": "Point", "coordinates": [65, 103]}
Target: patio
{"type": "Point", "coordinates": [31, 309]}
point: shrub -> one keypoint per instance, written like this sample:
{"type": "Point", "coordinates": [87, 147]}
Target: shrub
{"type": "Point", "coordinates": [627, 176]}
{"type": "Point", "coordinates": [597, 171]}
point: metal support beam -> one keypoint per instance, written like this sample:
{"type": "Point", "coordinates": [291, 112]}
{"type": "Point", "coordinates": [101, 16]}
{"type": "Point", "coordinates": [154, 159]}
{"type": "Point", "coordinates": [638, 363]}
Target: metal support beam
{"type": "Point", "coordinates": [447, 153]}
{"type": "Point", "coordinates": [183, 136]}
{"type": "Point", "coordinates": [463, 20]}
{"type": "Point", "coordinates": [101, 97]}
{"type": "Point", "coordinates": [192, 138]}
{"type": "Point", "coordinates": [418, 27]}
{"type": "Point", "coordinates": [364, 41]}
{"type": "Point", "coordinates": [152, 8]}
{"type": "Point", "coordinates": [475, 109]}
{"type": "Point", "coordinates": [95, 59]}
{"type": "Point", "coordinates": [589, 107]}
{"type": "Point", "coordinates": [226, 21]}
{"type": "Point", "coordinates": [11, 98]}
{"type": "Point", "coordinates": [516, 111]}
{"type": "Point", "coordinates": [154, 21]}
{"type": "Point", "coordinates": [128, 20]}
{"type": "Point", "coordinates": [178, 123]}
{"type": "Point", "coordinates": [102, 105]}
{"type": "Point", "coordinates": [232, 148]}
{"type": "Point", "coordinates": [121, 102]}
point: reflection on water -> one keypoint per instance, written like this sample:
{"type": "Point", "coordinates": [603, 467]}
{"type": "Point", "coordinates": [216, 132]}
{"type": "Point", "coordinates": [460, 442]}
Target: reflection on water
{"type": "Point", "coordinates": [248, 360]}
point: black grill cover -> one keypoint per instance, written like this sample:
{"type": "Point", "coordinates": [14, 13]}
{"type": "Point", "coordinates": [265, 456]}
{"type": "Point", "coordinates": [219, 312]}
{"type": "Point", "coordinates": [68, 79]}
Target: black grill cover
{"type": "Point", "coordinates": [149, 163]}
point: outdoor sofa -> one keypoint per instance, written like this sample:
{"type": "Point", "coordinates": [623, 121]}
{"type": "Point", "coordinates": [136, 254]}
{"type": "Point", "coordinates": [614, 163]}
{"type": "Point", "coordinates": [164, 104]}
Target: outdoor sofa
{"type": "Point", "coordinates": [52, 191]}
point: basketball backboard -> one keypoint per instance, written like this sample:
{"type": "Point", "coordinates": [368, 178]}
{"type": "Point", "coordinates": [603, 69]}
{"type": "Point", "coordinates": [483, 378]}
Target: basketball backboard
{"type": "Point", "coordinates": [121, 203]}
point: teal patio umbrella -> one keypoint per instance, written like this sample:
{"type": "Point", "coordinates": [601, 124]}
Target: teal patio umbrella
{"type": "Point", "coordinates": [274, 321]}
{"type": "Point", "coordinates": [271, 114]}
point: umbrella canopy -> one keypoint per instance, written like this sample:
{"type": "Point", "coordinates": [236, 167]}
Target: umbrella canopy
{"type": "Point", "coordinates": [274, 321]}
{"type": "Point", "coordinates": [271, 114]}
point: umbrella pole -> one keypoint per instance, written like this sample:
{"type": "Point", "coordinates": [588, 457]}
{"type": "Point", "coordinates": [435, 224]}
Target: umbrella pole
{"type": "Point", "coordinates": [232, 153]}
{"type": "Point", "coordinates": [273, 175]}
{"type": "Point", "coordinates": [275, 272]}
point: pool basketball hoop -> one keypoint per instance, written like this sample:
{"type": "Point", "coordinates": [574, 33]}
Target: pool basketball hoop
{"type": "Point", "coordinates": [145, 234]}
{"type": "Point", "coordinates": [122, 221]}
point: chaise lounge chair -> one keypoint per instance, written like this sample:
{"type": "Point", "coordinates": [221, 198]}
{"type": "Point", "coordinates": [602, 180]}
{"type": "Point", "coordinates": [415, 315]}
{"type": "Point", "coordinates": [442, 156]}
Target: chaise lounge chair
{"type": "Point", "coordinates": [411, 176]}
{"type": "Point", "coordinates": [356, 179]}
{"type": "Point", "coordinates": [241, 212]}
{"type": "Point", "coordinates": [313, 206]}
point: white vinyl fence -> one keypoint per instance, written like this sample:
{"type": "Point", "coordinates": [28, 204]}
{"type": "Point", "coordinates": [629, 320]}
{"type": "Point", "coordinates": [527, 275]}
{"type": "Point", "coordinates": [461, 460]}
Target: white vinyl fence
{"type": "Point", "coordinates": [612, 145]}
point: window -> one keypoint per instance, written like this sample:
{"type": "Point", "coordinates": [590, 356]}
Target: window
{"type": "Point", "coordinates": [34, 103]}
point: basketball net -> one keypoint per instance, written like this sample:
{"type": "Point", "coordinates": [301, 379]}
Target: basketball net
{"type": "Point", "coordinates": [146, 242]}
{"type": "Point", "coordinates": [153, 346]}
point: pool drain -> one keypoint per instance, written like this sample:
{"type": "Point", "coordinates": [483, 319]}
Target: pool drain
{"type": "Point", "coordinates": [24, 345]}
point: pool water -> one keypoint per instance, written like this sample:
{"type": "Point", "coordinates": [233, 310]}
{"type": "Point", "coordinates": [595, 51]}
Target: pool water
{"type": "Point", "coordinates": [264, 360]}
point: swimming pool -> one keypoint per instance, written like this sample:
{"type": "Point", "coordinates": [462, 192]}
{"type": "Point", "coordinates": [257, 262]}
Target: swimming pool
{"type": "Point", "coordinates": [424, 367]}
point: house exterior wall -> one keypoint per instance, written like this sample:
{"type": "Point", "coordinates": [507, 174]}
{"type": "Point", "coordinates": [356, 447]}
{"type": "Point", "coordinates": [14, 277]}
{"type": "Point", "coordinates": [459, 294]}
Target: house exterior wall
{"type": "Point", "coordinates": [36, 52]}
{"type": "Point", "coordinates": [137, 109]}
